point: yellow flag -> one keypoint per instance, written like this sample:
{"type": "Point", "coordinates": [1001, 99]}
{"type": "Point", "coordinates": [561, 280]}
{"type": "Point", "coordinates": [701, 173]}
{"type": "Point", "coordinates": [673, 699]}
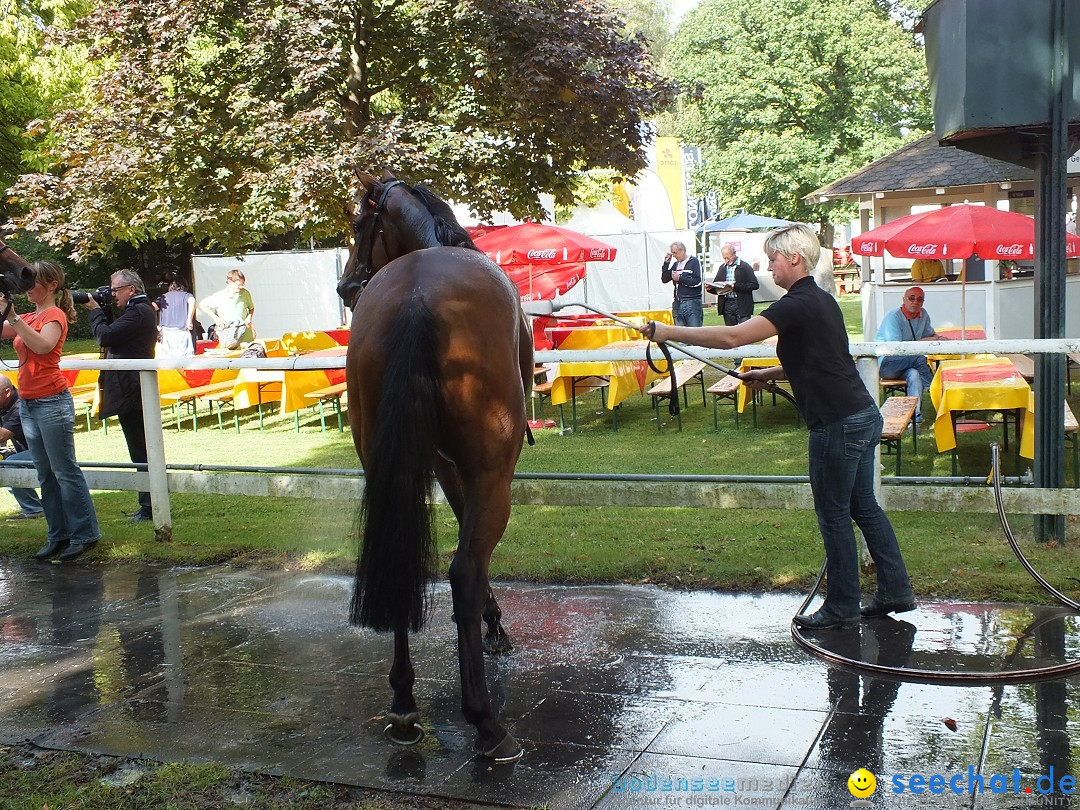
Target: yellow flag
{"type": "Point", "coordinates": [669, 167]}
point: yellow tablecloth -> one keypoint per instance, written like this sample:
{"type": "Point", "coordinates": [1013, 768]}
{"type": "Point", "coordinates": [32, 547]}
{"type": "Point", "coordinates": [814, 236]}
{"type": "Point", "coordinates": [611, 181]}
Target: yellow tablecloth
{"type": "Point", "coordinates": [624, 376]}
{"type": "Point", "coordinates": [747, 364]}
{"type": "Point", "coordinates": [254, 385]}
{"type": "Point", "coordinates": [995, 385]}
{"type": "Point", "coordinates": [294, 342]}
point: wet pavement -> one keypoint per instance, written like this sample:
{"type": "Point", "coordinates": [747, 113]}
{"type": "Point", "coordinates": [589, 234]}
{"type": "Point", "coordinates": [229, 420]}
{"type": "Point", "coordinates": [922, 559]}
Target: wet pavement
{"type": "Point", "coordinates": [623, 696]}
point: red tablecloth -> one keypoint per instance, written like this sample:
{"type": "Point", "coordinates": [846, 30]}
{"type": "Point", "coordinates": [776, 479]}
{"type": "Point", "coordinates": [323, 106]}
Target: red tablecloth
{"type": "Point", "coordinates": [991, 372]}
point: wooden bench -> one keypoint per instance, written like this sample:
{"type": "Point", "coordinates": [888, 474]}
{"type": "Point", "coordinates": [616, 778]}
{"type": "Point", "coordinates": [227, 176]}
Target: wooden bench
{"type": "Point", "coordinates": [1072, 437]}
{"type": "Point", "coordinates": [84, 396]}
{"type": "Point", "coordinates": [586, 385]}
{"type": "Point", "coordinates": [727, 387]}
{"type": "Point", "coordinates": [1071, 359]}
{"type": "Point", "coordinates": [685, 372]}
{"type": "Point", "coordinates": [898, 413]}
{"type": "Point", "coordinates": [892, 387]}
{"type": "Point", "coordinates": [189, 397]}
{"type": "Point", "coordinates": [542, 391]}
{"type": "Point", "coordinates": [333, 394]}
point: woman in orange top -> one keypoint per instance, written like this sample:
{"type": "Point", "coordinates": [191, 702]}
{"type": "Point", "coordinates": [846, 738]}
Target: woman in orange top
{"type": "Point", "coordinates": [48, 414]}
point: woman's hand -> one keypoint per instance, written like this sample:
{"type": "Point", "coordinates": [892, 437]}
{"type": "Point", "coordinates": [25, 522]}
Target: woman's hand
{"type": "Point", "coordinates": [655, 331]}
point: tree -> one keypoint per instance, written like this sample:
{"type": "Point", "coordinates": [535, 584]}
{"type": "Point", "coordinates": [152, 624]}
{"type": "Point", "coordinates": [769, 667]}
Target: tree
{"type": "Point", "coordinates": [791, 94]}
{"type": "Point", "coordinates": [31, 78]}
{"type": "Point", "coordinates": [231, 123]}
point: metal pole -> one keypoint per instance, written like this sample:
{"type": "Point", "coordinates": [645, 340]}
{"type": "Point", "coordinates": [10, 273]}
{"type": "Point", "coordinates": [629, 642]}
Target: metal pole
{"type": "Point", "coordinates": [1050, 185]}
{"type": "Point", "coordinates": [155, 455]}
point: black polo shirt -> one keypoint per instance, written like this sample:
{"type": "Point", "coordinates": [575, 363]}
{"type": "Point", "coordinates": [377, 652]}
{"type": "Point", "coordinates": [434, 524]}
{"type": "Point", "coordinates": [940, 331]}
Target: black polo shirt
{"type": "Point", "coordinates": [813, 349]}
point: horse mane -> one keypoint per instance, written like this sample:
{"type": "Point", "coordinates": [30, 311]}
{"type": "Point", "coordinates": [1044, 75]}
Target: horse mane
{"type": "Point", "coordinates": [447, 230]}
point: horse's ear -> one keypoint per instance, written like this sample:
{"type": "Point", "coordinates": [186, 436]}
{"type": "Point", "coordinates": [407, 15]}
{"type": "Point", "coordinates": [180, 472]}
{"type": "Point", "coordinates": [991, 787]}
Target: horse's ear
{"type": "Point", "coordinates": [388, 176]}
{"type": "Point", "coordinates": [367, 180]}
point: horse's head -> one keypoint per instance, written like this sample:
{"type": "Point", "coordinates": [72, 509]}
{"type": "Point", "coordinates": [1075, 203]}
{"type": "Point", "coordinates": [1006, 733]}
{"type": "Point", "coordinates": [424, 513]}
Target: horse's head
{"type": "Point", "coordinates": [16, 274]}
{"type": "Point", "coordinates": [390, 220]}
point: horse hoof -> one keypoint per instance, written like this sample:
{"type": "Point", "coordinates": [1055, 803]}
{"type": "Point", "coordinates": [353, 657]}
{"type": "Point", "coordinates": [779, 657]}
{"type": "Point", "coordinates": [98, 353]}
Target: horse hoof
{"type": "Point", "coordinates": [506, 751]}
{"type": "Point", "coordinates": [404, 729]}
{"type": "Point", "coordinates": [498, 643]}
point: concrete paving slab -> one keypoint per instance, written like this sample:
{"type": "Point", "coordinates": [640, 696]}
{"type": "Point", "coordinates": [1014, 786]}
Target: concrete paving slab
{"type": "Point", "coordinates": [622, 696]}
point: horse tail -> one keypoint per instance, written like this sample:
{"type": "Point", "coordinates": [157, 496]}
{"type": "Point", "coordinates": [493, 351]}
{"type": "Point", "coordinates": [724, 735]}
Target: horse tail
{"type": "Point", "coordinates": [398, 549]}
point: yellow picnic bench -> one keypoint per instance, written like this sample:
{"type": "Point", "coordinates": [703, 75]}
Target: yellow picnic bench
{"type": "Point", "coordinates": [685, 372]}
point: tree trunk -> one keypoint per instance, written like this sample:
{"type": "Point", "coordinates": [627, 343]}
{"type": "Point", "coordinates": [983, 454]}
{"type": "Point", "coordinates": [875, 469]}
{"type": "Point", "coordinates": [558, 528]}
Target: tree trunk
{"type": "Point", "coordinates": [357, 99]}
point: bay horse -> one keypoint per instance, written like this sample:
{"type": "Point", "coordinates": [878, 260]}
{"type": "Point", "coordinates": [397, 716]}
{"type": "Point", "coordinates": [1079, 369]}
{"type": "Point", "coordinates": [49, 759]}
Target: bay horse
{"type": "Point", "coordinates": [439, 365]}
{"type": "Point", "coordinates": [16, 274]}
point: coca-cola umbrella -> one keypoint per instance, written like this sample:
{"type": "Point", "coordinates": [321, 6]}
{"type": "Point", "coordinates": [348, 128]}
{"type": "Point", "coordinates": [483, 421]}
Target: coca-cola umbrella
{"type": "Point", "coordinates": [543, 260]}
{"type": "Point", "coordinates": [957, 232]}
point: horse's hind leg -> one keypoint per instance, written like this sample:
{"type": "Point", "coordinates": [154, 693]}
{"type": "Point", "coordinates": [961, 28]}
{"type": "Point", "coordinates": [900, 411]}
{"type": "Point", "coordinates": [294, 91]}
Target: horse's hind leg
{"type": "Point", "coordinates": [496, 640]}
{"type": "Point", "coordinates": [485, 515]}
{"type": "Point", "coordinates": [403, 720]}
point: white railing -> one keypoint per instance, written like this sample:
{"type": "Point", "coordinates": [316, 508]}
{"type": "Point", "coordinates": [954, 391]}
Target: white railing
{"type": "Point", "coordinates": [160, 482]}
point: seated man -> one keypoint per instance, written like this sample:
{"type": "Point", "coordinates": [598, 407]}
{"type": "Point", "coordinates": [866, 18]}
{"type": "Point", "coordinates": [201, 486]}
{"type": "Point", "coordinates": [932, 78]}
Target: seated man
{"type": "Point", "coordinates": [11, 431]}
{"type": "Point", "coordinates": [925, 270]}
{"type": "Point", "coordinates": [908, 322]}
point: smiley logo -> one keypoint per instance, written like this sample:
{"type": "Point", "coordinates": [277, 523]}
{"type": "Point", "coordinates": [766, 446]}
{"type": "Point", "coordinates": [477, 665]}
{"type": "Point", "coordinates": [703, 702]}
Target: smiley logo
{"type": "Point", "coordinates": [861, 783]}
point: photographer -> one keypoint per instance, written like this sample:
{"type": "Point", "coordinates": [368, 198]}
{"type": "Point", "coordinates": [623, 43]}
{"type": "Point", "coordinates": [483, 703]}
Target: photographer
{"type": "Point", "coordinates": [132, 336]}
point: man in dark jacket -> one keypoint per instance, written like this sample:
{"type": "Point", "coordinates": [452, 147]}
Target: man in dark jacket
{"type": "Point", "coordinates": [132, 336]}
{"type": "Point", "coordinates": [735, 284]}
{"type": "Point", "coordinates": [684, 271]}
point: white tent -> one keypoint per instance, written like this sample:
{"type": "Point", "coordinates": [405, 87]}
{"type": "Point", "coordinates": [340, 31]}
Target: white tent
{"type": "Point", "coordinates": [604, 218]}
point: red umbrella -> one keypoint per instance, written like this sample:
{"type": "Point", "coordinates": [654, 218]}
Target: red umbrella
{"type": "Point", "coordinates": [957, 232]}
{"type": "Point", "coordinates": [543, 260]}
{"type": "Point", "coordinates": [538, 244]}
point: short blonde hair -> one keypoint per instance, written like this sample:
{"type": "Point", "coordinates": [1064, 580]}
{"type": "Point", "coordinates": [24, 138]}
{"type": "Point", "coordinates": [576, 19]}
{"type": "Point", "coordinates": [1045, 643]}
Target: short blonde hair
{"type": "Point", "coordinates": [795, 238]}
{"type": "Point", "coordinates": [236, 275]}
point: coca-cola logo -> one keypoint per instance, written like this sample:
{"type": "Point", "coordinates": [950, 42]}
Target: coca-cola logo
{"type": "Point", "coordinates": [598, 253]}
{"type": "Point", "coordinates": [923, 250]}
{"type": "Point", "coordinates": [1009, 250]}
{"type": "Point", "coordinates": [869, 246]}
{"type": "Point", "coordinates": [549, 253]}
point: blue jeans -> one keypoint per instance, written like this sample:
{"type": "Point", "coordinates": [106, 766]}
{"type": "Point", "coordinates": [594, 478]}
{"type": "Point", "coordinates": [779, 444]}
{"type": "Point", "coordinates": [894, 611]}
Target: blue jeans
{"type": "Point", "coordinates": [912, 368]}
{"type": "Point", "coordinates": [49, 426]}
{"type": "Point", "coordinates": [842, 464]}
{"type": "Point", "coordinates": [687, 312]}
{"type": "Point", "coordinates": [26, 497]}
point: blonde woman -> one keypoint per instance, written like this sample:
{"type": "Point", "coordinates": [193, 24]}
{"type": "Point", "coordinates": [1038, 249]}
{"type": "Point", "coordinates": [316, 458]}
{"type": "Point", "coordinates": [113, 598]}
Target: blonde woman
{"type": "Point", "coordinates": [48, 414]}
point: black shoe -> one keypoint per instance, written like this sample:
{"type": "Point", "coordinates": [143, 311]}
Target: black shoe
{"type": "Point", "coordinates": [822, 621]}
{"type": "Point", "coordinates": [50, 549]}
{"type": "Point", "coordinates": [74, 550]}
{"type": "Point", "coordinates": [879, 607]}
{"type": "Point", "coordinates": [139, 517]}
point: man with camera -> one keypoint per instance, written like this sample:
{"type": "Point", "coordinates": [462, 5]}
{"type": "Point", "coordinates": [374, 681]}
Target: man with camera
{"type": "Point", "coordinates": [132, 336]}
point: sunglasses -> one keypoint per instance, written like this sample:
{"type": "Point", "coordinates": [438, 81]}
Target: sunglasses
{"type": "Point", "coordinates": [913, 298]}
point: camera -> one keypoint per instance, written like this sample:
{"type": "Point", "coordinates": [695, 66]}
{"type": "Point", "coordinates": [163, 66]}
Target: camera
{"type": "Point", "coordinates": [103, 295]}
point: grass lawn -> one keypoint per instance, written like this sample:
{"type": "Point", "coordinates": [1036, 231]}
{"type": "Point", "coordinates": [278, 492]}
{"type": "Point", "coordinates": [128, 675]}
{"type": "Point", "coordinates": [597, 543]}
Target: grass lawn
{"type": "Point", "coordinates": [950, 554]}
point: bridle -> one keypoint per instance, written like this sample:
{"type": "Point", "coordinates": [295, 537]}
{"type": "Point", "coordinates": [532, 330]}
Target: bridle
{"type": "Point", "coordinates": [376, 232]}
